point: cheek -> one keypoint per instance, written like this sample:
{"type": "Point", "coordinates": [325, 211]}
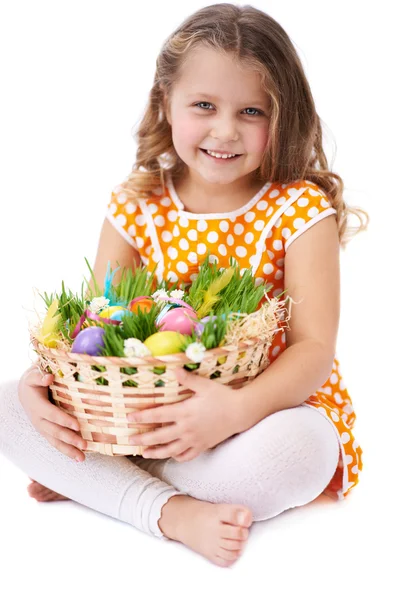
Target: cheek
{"type": "Point", "coordinates": [257, 140]}
{"type": "Point", "coordinates": [186, 132]}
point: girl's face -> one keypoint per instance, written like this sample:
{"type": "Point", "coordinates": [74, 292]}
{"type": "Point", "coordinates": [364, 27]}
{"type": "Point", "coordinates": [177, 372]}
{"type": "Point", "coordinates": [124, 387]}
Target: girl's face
{"type": "Point", "coordinates": [216, 105]}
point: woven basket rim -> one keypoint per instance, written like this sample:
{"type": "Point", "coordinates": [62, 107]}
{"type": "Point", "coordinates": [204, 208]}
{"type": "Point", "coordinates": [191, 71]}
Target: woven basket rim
{"type": "Point", "coordinates": [177, 357]}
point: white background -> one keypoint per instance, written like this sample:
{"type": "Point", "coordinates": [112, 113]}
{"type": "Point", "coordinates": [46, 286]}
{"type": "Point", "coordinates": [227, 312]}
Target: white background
{"type": "Point", "coordinates": [75, 77]}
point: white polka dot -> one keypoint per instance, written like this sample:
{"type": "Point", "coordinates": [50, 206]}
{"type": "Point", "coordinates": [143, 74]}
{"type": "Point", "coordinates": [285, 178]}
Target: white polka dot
{"type": "Point", "coordinates": [277, 245]}
{"type": "Point", "coordinates": [259, 225]}
{"type": "Point", "coordinates": [312, 212]}
{"type": "Point", "coordinates": [298, 223]}
{"type": "Point", "coordinates": [172, 252]}
{"type": "Point", "coordinates": [166, 201]}
{"type": "Point", "coordinates": [271, 255]}
{"type": "Point", "coordinates": [182, 267]}
{"type": "Point", "coordinates": [355, 445]}
{"type": "Point", "coordinates": [158, 191]}
{"type": "Point", "coordinates": [268, 268]}
{"type": "Point", "coordinates": [238, 229]}
{"type": "Point", "coordinates": [262, 205]}
{"type": "Point", "coordinates": [324, 203]}
{"type": "Point", "coordinates": [224, 226]}
{"type": "Point", "coordinates": [153, 208]}
{"type": "Point", "coordinates": [130, 208]}
{"type": "Point", "coordinates": [121, 220]}
{"type": "Point", "coordinates": [334, 416]}
{"type": "Point", "coordinates": [192, 235]}
{"type": "Point", "coordinates": [183, 221]}
{"type": "Point", "coordinates": [276, 350]}
{"type": "Point", "coordinates": [202, 225]}
{"type": "Point", "coordinates": [279, 274]}
{"type": "Point", "coordinates": [283, 337]}
{"type": "Point", "coordinates": [345, 437]}
{"type": "Point", "coordinates": [113, 208]}
{"type": "Point", "coordinates": [176, 231]}
{"type": "Point", "coordinates": [286, 233]}
{"type": "Point", "coordinates": [249, 216]}
{"type": "Point", "coordinates": [212, 237]}
{"type": "Point", "coordinates": [354, 469]}
{"type": "Point", "coordinates": [277, 292]}
{"type": "Point", "coordinates": [222, 249]}
{"type": "Point", "coordinates": [122, 198]}
{"type": "Point", "coordinates": [159, 221]}
{"type": "Point", "coordinates": [259, 281]}
{"type": "Point", "coordinates": [192, 257]}
{"type": "Point", "coordinates": [172, 276]}
{"type": "Point", "coordinates": [313, 192]}
{"type": "Point", "coordinates": [342, 385]}
{"type": "Point", "coordinates": [213, 259]}
{"type": "Point", "coordinates": [290, 211]}
{"type": "Point", "coordinates": [303, 201]}
{"type": "Point", "coordinates": [148, 250]}
{"type": "Point", "coordinates": [241, 251]}
{"type": "Point", "coordinates": [230, 240]}
{"type": "Point", "coordinates": [139, 242]}
{"type": "Point", "coordinates": [281, 200]}
{"type": "Point", "coordinates": [166, 236]}
{"type": "Point", "coordinates": [253, 260]}
{"type": "Point", "coordinates": [334, 378]}
{"type": "Point", "coordinates": [270, 211]}
{"type": "Point", "coordinates": [172, 215]}
{"type": "Point", "coordinates": [242, 271]}
{"type": "Point", "coordinates": [274, 194]}
{"type": "Point", "coordinates": [193, 276]}
{"type": "Point", "coordinates": [280, 262]}
{"type": "Point", "coordinates": [338, 398]}
{"type": "Point", "coordinates": [132, 230]}
{"type": "Point", "coordinates": [201, 248]}
{"type": "Point", "coordinates": [140, 220]}
{"type": "Point", "coordinates": [327, 390]}
{"type": "Point", "coordinates": [249, 237]}
{"type": "Point", "coordinates": [348, 458]}
{"type": "Point", "coordinates": [184, 244]}
{"type": "Point", "coordinates": [321, 410]}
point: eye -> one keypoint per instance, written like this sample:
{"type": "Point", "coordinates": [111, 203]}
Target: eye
{"type": "Point", "coordinates": [249, 115]}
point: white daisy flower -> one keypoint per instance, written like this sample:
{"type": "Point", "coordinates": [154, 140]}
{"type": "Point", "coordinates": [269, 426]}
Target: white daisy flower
{"type": "Point", "coordinates": [98, 304]}
{"type": "Point", "coordinates": [177, 294]}
{"type": "Point", "coordinates": [135, 348]}
{"type": "Point", "coordinates": [195, 352]}
{"type": "Point", "coordinates": [157, 294]}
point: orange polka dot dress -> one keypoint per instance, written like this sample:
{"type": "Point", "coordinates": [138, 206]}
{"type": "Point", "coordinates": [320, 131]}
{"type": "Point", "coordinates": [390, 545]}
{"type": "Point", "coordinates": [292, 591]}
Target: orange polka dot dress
{"type": "Point", "coordinates": [257, 235]}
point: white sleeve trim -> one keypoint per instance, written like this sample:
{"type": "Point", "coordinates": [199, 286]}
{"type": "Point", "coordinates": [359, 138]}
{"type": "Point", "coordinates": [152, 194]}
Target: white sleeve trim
{"type": "Point", "coordinates": [314, 220]}
{"type": "Point", "coordinates": [121, 230]}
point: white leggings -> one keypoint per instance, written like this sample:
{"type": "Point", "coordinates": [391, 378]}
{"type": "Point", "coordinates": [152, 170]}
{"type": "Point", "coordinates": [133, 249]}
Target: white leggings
{"type": "Point", "coordinates": [285, 460]}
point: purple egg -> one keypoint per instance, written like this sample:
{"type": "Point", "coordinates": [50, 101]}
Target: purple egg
{"type": "Point", "coordinates": [89, 341]}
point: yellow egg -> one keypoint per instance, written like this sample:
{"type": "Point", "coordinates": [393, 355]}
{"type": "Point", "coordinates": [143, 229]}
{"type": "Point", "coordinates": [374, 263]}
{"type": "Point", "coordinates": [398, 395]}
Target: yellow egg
{"type": "Point", "coordinates": [108, 312]}
{"type": "Point", "coordinates": [164, 342]}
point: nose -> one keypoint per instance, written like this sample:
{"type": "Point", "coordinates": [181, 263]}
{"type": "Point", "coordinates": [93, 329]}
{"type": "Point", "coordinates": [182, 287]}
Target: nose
{"type": "Point", "coordinates": [224, 129]}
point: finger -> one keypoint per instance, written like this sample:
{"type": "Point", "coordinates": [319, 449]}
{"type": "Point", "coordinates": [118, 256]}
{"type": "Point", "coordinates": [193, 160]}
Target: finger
{"type": "Point", "coordinates": [196, 383]}
{"type": "Point", "coordinates": [34, 377]}
{"type": "Point", "coordinates": [166, 451]}
{"type": "Point", "coordinates": [66, 449]}
{"type": "Point", "coordinates": [63, 434]}
{"type": "Point", "coordinates": [161, 414]}
{"type": "Point", "coordinates": [189, 454]}
{"type": "Point", "coordinates": [163, 435]}
{"type": "Point", "coordinates": [57, 415]}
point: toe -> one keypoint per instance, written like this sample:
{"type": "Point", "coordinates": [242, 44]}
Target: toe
{"type": "Point", "coordinates": [229, 555]}
{"type": "Point", "coordinates": [232, 544]}
{"type": "Point", "coordinates": [233, 532]}
{"type": "Point", "coordinates": [236, 514]}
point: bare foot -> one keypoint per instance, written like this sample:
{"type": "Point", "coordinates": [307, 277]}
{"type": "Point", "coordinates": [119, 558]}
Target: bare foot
{"type": "Point", "coordinates": [43, 494]}
{"type": "Point", "coordinates": [212, 530]}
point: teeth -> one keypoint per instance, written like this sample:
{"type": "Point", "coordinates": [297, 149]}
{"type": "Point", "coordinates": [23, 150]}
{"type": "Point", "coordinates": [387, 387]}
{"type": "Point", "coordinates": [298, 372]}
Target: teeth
{"type": "Point", "coordinates": [220, 155]}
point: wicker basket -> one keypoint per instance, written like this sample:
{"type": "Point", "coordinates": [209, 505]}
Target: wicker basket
{"type": "Point", "coordinates": [101, 409]}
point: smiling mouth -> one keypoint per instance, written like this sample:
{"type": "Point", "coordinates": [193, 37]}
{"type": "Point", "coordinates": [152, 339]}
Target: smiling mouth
{"type": "Point", "coordinates": [235, 156]}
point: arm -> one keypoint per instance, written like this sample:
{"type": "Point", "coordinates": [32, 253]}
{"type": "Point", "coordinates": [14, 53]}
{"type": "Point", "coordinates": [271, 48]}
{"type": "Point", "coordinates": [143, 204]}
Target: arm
{"type": "Point", "coordinates": [113, 247]}
{"type": "Point", "coordinates": [312, 276]}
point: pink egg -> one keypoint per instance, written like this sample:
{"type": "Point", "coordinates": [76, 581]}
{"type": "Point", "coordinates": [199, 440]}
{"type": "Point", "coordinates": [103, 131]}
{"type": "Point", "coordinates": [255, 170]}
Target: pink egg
{"type": "Point", "coordinates": [179, 319]}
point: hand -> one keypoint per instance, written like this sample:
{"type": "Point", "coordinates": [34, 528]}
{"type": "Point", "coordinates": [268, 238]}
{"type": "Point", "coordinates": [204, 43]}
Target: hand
{"type": "Point", "coordinates": [50, 421]}
{"type": "Point", "coordinates": [193, 425]}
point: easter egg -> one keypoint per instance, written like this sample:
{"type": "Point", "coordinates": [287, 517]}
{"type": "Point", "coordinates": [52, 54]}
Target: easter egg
{"type": "Point", "coordinates": [109, 312]}
{"type": "Point", "coordinates": [143, 302]}
{"type": "Point", "coordinates": [164, 342]}
{"type": "Point", "coordinates": [88, 341]}
{"type": "Point", "coordinates": [179, 319]}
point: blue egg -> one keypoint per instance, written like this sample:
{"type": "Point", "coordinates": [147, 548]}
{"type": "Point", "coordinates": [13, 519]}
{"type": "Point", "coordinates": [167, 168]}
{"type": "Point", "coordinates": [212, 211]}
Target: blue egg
{"type": "Point", "coordinates": [89, 341]}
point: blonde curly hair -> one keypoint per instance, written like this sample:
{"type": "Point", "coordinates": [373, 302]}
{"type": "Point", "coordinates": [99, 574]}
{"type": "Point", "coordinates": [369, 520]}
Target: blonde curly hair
{"type": "Point", "coordinates": [294, 149]}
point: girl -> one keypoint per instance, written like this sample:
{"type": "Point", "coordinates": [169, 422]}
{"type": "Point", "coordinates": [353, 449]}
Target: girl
{"type": "Point", "coordinates": [229, 160]}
